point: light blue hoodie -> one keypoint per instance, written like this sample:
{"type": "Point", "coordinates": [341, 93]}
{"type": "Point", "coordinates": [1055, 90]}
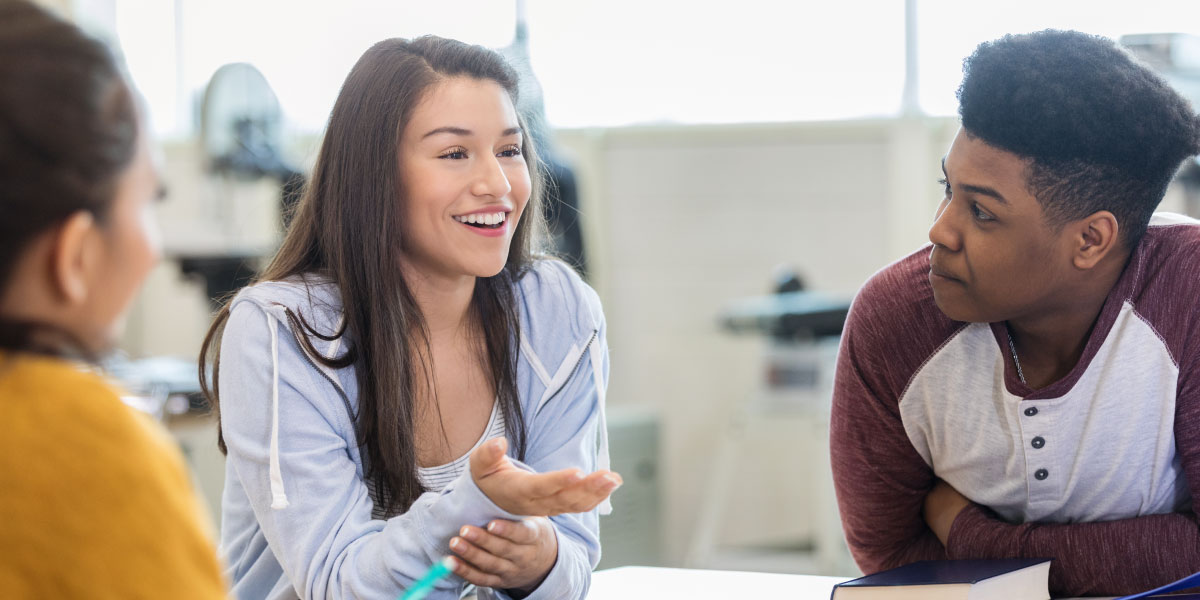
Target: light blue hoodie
{"type": "Point", "coordinates": [296, 514]}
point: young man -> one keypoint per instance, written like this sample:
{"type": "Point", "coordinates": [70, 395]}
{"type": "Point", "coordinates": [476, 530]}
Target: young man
{"type": "Point", "coordinates": [1029, 384]}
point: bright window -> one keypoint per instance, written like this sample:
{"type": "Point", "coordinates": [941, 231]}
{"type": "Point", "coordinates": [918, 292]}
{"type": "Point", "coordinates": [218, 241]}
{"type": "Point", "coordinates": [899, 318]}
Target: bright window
{"type": "Point", "coordinates": [611, 62]}
{"type": "Point", "coordinates": [950, 30]}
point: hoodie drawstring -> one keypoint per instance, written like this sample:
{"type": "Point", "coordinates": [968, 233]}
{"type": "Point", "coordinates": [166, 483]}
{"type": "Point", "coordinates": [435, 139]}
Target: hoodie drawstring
{"type": "Point", "coordinates": [598, 376]}
{"type": "Point", "coordinates": [278, 496]}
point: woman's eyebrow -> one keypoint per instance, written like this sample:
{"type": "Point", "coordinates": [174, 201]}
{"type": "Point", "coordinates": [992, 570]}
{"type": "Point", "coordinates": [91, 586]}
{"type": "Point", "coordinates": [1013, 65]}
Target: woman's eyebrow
{"type": "Point", "coordinates": [449, 129]}
{"type": "Point", "coordinates": [460, 131]}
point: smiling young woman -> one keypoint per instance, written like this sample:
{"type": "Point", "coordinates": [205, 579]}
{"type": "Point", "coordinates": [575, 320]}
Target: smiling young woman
{"type": "Point", "coordinates": [406, 322]}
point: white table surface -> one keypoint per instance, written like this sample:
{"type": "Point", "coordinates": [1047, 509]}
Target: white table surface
{"type": "Point", "coordinates": [653, 583]}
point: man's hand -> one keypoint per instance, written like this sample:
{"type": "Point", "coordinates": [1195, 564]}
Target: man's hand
{"type": "Point", "coordinates": [942, 506]}
{"type": "Point", "coordinates": [537, 494]}
{"type": "Point", "coordinates": [511, 555]}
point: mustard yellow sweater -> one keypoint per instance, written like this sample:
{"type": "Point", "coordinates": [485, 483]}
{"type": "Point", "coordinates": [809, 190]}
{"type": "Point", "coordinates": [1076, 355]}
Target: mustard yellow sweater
{"type": "Point", "coordinates": [95, 501]}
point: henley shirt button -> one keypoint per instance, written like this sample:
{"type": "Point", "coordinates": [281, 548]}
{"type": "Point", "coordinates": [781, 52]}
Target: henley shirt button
{"type": "Point", "coordinates": [1032, 410]}
{"type": "Point", "coordinates": [1041, 474]}
{"type": "Point", "coordinates": [1038, 442]}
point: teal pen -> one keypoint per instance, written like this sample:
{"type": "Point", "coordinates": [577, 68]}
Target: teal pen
{"type": "Point", "coordinates": [422, 587]}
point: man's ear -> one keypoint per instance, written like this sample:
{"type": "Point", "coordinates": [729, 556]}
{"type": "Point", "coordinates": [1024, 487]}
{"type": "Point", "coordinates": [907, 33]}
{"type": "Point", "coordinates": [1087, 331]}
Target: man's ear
{"type": "Point", "coordinates": [1094, 237]}
{"type": "Point", "coordinates": [74, 257]}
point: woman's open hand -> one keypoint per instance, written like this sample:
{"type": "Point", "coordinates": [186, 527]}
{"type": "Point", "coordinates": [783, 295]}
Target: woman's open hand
{"type": "Point", "coordinates": [537, 494]}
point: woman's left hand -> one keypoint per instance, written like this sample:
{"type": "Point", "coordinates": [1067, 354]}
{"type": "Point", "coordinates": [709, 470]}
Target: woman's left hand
{"type": "Point", "coordinates": [509, 555]}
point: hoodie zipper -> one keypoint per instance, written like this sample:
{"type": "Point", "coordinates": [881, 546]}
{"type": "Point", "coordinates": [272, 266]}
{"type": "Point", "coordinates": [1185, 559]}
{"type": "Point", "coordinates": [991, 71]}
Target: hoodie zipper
{"type": "Point", "coordinates": [582, 353]}
{"type": "Point", "coordinates": [336, 385]}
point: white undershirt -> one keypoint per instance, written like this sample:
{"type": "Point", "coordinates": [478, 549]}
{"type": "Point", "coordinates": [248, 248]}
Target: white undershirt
{"type": "Point", "coordinates": [436, 478]}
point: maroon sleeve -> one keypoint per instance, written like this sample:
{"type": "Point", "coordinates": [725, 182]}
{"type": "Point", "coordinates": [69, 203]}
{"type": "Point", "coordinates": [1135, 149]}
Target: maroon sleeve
{"type": "Point", "coordinates": [1137, 554]}
{"type": "Point", "coordinates": [1090, 559]}
{"type": "Point", "coordinates": [1102, 558]}
{"type": "Point", "coordinates": [880, 479]}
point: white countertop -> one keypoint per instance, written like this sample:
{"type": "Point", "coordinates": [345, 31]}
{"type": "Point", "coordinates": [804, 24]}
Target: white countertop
{"type": "Point", "coordinates": [646, 583]}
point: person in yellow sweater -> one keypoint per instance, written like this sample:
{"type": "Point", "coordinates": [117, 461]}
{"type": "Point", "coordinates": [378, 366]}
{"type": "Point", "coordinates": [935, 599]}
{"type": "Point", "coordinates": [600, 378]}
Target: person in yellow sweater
{"type": "Point", "coordinates": [95, 501]}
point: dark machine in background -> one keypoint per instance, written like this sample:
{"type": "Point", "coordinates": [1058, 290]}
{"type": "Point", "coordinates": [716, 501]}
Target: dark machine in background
{"type": "Point", "coordinates": [795, 321]}
{"type": "Point", "coordinates": [241, 131]}
{"type": "Point", "coordinates": [800, 329]}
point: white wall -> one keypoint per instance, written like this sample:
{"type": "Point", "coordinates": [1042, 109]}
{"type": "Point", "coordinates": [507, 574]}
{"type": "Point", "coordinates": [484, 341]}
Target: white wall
{"type": "Point", "coordinates": [680, 221]}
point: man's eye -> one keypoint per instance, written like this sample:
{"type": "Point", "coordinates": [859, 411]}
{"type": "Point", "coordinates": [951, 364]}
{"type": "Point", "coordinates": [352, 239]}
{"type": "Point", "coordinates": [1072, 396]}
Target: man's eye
{"type": "Point", "coordinates": [979, 214]}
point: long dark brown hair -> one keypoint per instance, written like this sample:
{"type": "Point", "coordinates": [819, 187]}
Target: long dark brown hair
{"type": "Point", "coordinates": [68, 129]}
{"type": "Point", "coordinates": [347, 227]}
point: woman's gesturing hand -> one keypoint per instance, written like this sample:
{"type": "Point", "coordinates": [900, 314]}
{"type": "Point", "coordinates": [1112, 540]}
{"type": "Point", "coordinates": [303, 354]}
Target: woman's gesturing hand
{"type": "Point", "coordinates": [521, 492]}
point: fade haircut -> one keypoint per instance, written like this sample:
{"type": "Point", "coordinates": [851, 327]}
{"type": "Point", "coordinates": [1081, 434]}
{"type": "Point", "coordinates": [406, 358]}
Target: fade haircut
{"type": "Point", "coordinates": [1101, 130]}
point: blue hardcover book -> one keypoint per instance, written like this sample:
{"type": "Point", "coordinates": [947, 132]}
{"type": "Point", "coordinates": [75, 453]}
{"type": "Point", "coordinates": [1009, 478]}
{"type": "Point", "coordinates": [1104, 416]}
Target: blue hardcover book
{"type": "Point", "coordinates": [1187, 583]}
{"type": "Point", "coordinates": [1001, 579]}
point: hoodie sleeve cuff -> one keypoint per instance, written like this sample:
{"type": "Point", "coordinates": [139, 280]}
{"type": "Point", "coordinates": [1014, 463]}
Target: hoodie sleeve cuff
{"type": "Point", "coordinates": [459, 503]}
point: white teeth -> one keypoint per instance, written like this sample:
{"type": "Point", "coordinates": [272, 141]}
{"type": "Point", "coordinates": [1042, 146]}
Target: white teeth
{"type": "Point", "coordinates": [482, 219]}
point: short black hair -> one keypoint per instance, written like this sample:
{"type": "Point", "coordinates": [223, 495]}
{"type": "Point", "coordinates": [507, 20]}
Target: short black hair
{"type": "Point", "coordinates": [1102, 131]}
